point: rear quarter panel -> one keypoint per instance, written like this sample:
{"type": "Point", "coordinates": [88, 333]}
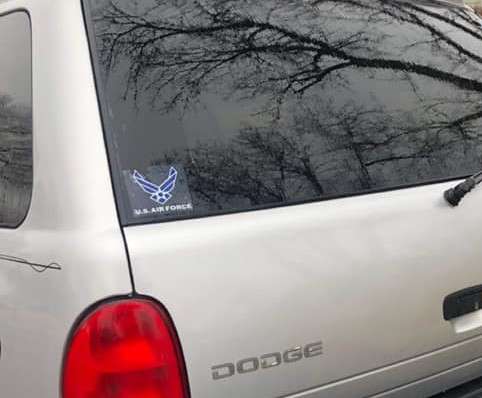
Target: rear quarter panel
{"type": "Point", "coordinates": [72, 220]}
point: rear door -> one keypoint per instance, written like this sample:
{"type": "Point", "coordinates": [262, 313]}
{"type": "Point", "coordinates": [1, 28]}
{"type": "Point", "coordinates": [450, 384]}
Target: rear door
{"type": "Point", "coordinates": [366, 276]}
{"type": "Point", "coordinates": [280, 169]}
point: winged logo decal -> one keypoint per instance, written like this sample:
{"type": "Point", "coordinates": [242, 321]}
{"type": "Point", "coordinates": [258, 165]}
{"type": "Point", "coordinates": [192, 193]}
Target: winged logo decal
{"type": "Point", "coordinates": [158, 193]}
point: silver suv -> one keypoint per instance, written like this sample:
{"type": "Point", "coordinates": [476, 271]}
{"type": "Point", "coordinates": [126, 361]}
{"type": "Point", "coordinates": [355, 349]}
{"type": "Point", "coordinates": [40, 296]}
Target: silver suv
{"type": "Point", "coordinates": [239, 198]}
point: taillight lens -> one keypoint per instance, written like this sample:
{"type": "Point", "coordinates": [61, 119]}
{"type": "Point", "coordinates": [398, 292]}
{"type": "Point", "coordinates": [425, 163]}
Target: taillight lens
{"type": "Point", "coordinates": [124, 349]}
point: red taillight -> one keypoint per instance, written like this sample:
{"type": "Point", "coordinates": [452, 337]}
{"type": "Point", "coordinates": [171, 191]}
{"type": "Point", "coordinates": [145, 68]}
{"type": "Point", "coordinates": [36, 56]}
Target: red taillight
{"type": "Point", "coordinates": [124, 349]}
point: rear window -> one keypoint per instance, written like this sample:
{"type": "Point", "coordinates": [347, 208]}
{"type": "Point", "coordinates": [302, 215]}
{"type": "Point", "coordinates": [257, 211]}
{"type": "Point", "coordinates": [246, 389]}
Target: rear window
{"type": "Point", "coordinates": [220, 106]}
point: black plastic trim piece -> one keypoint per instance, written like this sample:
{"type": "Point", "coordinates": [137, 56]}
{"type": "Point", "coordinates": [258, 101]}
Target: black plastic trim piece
{"type": "Point", "coordinates": [472, 389]}
{"type": "Point", "coordinates": [462, 302]}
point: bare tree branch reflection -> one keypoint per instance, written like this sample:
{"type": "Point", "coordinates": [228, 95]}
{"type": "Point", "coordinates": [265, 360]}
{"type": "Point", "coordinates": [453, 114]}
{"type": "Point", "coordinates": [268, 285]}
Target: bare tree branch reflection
{"type": "Point", "coordinates": [292, 160]}
{"type": "Point", "coordinates": [208, 42]}
{"type": "Point", "coordinates": [292, 58]}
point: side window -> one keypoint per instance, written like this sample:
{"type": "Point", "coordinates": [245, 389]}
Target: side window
{"type": "Point", "coordinates": [16, 167]}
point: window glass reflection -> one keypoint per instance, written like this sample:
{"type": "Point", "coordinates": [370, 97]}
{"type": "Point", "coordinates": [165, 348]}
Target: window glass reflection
{"type": "Point", "coordinates": [273, 102]}
{"type": "Point", "coordinates": [15, 119]}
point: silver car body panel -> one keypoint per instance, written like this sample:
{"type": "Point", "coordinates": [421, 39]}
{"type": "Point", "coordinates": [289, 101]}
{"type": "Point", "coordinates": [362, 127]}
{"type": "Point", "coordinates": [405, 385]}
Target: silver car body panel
{"type": "Point", "coordinates": [366, 275]}
{"type": "Point", "coordinates": [72, 219]}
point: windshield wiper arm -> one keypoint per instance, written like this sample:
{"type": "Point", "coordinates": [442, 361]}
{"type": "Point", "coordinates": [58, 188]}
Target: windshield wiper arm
{"type": "Point", "coordinates": [456, 194]}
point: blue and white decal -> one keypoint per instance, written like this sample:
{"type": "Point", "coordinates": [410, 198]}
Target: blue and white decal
{"type": "Point", "coordinates": [160, 191]}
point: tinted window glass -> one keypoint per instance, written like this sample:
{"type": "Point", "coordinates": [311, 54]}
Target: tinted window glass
{"type": "Point", "coordinates": [226, 105]}
{"type": "Point", "coordinates": [15, 119]}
